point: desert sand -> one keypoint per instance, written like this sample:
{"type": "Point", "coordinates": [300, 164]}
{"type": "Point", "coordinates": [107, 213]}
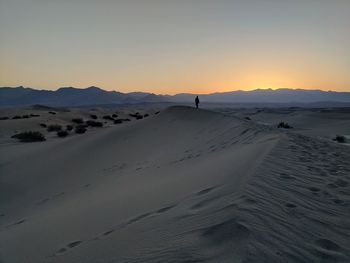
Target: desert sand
{"type": "Point", "coordinates": [184, 185]}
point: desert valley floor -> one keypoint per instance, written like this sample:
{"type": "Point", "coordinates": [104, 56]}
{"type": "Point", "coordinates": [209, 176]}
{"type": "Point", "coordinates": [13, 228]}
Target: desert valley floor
{"type": "Point", "coordinates": [184, 185]}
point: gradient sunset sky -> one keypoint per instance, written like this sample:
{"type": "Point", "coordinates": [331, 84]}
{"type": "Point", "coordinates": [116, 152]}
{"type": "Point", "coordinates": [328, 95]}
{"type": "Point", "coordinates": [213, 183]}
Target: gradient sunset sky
{"type": "Point", "coordinates": [173, 46]}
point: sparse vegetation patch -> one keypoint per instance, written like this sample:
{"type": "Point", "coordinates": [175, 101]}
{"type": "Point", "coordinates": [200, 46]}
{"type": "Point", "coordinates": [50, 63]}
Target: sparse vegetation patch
{"type": "Point", "coordinates": [62, 134]}
{"type": "Point", "coordinates": [340, 139]}
{"type": "Point", "coordinates": [80, 129]}
{"type": "Point", "coordinates": [108, 117]}
{"type": "Point", "coordinates": [136, 115]}
{"type": "Point", "coordinates": [54, 127]}
{"type": "Point", "coordinates": [118, 121]}
{"type": "Point", "coordinates": [78, 120]}
{"type": "Point", "coordinates": [284, 125]}
{"type": "Point", "coordinates": [93, 123]}
{"type": "Point", "coordinates": [29, 136]}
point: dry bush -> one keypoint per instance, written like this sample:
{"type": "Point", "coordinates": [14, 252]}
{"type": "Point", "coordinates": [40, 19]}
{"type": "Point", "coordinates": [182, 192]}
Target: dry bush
{"type": "Point", "coordinates": [92, 123]}
{"type": "Point", "coordinates": [29, 136]}
{"type": "Point", "coordinates": [62, 134]}
{"type": "Point", "coordinates": [54, 127]}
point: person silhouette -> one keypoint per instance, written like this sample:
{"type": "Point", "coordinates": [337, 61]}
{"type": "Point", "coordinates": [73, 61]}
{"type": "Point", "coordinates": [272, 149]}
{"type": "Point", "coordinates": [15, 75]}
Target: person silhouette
{"type": "Point", "coordinates": [196, 101]}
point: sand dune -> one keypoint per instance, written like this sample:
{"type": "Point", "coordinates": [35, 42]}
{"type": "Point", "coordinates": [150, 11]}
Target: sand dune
{"type": "Point", "coordinates": [185, 185]}
{"type": "Point", "coordinates": [318, 122]}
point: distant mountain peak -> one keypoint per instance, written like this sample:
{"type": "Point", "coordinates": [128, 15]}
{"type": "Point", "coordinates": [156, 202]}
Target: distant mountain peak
{"type": "Point", "coordinates": [94, 88]}
{"type": "Point", "coordinates": [70, 96]}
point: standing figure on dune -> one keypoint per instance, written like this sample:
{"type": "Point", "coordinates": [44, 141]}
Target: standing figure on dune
{"type": "Point", "coordinates": [197, 102]}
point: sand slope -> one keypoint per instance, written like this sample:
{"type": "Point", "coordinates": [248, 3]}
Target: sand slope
{"type": "Point", "coordinates": [318, 122]}
{"type": "Point", "coordinates": [183, 186]}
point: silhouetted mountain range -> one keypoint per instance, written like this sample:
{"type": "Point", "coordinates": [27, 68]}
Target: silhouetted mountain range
{"type": "Point", "coordinates": [69, 96]}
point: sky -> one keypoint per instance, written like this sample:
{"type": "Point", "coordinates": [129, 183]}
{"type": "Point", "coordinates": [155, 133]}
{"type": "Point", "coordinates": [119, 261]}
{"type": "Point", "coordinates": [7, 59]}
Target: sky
{"type": "Point", "coordinates": [174, 46]}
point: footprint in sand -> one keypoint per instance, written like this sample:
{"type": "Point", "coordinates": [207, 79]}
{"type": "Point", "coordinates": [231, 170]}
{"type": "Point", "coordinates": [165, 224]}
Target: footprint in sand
{"type": "Point", "coordinates": [338, 201]}
{"type": "Point", "coordinates": [205, 191]}
{"type": "Point", "coordinates": [143, 216]}
{"type": "Point", "coordinates": [138, 218]}
{"type": "Point", "coordinates": [286, 176]}
{"type": "Point", "coordinates": [17, 223]}
{"type": "Point", "coordinates": [203, 203]}
{"type": "Point", "coordinates": [74, 243]}
{"type": "Point", "coordinates": [107, 233]}
{"type": "Point", "coordinates": [43, 201]}
{"type": "Point", "coordinates": [314, 189]}
{"type": "Point", "coordinates": [341, 183]}
{"type": "Point", "coordinates": [164, 209]}
{"type": "Point", "coordinates": [68, 247]}
{"type": "Point", "coordinates": [327, 244]}
{"type": "Point", "coordinates": [290, 205]}
{"type": "Point", "coordinates": [104, 234]}
{"type": "Point", "coordinates": [329, 251]}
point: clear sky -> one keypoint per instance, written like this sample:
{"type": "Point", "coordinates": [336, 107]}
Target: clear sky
{"type": "Point", "coordinates": [172, 46]}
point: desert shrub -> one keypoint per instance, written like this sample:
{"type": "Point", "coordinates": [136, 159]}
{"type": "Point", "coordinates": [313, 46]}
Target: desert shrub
{"type": "Point", "coordinates": [108, 117]}
{"type": "Point", "coordinates": [146, 115]}
{"type": "Point", "coordinates": [62, 134]}
{"type": "Point", "coordinates": [34, 115]}
{"type": "Point", "coordinates": [94, 123]}
{"type": "Point", "coordinates": [4, 118]}
{"type": "Point", "coordinates": [52, 112]}
{"type": "Point", "coordinates": [157, 112]}
{"type": "Point", "coordinates": [114, 115]}
{"type": "Point", "coordinates": [284, 125]}
{"type": "Point", "coordinates": [78, 120]}
{"type": "Point", "coordinates": [25, 116]}
{"type": "Point", "coordinates": [16, 117]}
{"type": "Point", "coordinates": [80, 129]}
{"type": "Point", "coordinates": [54, 127]}
{"type": "Point", "coordinates": [126, 119]}
{"type": "Point", "coordinates": [43, 125]}
{"type": "Point", "coordinates": [69, 127]}
{"type": "Point", "coordinates": [29, 136]}
{"type": "Point", "coordinates": [340, 138]}
{"type": "Point", "coordinates": [248, 118]}
{"type": "Point", "coordinates": [136, 115]}
{"type": "Point", "coordinates": [118, 121]}
{"type": "Point", "coordinates": [93, 116]}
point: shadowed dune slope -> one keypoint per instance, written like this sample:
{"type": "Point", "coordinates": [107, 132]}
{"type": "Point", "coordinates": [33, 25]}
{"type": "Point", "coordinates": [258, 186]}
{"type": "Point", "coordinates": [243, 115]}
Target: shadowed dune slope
{"type": "Point", "coordinates": [183, 186]}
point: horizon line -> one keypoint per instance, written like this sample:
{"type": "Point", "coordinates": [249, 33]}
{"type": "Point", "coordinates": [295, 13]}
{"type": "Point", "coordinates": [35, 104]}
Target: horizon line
{"type": "Point", "coordinates": [161, 94]}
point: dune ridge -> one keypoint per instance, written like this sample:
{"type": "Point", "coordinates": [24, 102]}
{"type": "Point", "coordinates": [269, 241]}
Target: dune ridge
{"type": "Point", "coordinates": [183, 186]}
